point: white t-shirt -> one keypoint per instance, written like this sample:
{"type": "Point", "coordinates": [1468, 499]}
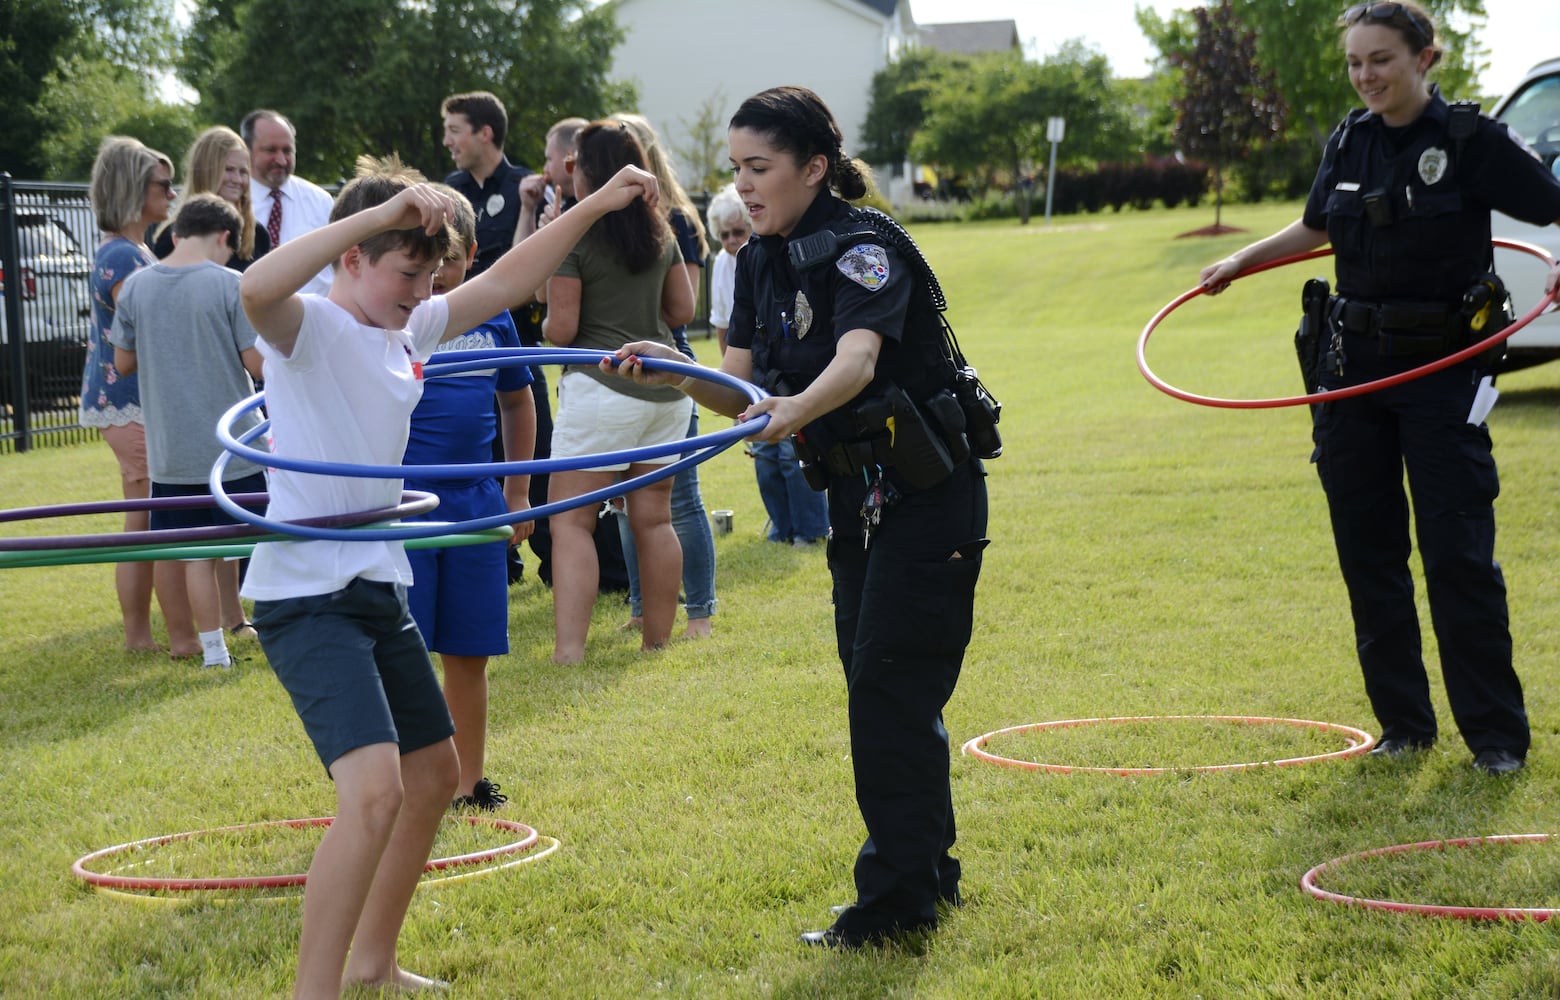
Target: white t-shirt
{"type": "Point", "coordinates": [723, 284]}
{"type": "Point", "coordinates": [345, 395]}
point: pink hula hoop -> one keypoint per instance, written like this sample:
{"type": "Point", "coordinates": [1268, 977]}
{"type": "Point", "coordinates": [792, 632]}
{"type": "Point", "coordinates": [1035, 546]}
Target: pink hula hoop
{"type": "Point", "coordinates": [528, 838]}
{"type": "Point", "coordinates": [1358, 741]}
{"type": "Point", "coordinates": [1351, 390]}
{"type": "Point", "coordinates": [1538, 913]}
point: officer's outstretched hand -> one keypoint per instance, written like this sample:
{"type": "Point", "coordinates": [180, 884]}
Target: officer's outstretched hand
{"type": "Point", "coordinates": [786, 417]}
{"type": "Point", "coordinates": [1215, 278]}
{"type": "Point", "coordinates": [626, 362]}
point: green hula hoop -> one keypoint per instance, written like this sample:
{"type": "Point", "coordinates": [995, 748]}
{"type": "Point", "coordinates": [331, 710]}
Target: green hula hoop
{"type": "Point", "coordinates": [214, 549]}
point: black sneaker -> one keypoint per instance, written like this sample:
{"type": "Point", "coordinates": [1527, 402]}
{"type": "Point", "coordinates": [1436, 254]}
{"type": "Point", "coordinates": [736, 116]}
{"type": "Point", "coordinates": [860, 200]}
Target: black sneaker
{"type": "Point", "coordinates": [484, 796]}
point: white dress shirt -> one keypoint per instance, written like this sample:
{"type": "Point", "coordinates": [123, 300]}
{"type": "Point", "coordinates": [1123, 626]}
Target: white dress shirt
{"type": "Point", "coordinates": [305, 208]}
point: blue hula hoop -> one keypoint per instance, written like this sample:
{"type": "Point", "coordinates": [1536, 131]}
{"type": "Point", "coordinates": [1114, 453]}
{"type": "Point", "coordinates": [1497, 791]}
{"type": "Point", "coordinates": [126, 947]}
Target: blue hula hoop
{"type": "Point", "coordinates": [694, 450]}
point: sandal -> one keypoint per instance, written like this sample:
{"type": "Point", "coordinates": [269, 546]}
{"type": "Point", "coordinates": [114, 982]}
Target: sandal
{"type": "Point", "coordinates": [244, 630]}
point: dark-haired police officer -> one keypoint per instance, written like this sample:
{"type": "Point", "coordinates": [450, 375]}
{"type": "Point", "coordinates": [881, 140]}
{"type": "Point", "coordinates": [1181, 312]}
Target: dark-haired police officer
{"type": "Point", "coordinates": [1404, 194]}
{"type": "Point", "coordinates": [833, 318]}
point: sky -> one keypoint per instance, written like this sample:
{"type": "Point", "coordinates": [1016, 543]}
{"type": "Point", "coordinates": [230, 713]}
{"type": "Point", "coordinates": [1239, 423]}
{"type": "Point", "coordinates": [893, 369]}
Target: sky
{"type": "Point", "coordinates": [1517, 33]}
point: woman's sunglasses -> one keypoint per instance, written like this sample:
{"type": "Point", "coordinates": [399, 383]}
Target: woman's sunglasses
{"type": "Point", "coordinates": [1388, 12]}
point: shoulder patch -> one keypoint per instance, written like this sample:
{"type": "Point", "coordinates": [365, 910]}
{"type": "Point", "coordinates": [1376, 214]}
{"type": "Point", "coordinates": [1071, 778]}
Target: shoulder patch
{"type": "Point", "coordinates": [866, 264]}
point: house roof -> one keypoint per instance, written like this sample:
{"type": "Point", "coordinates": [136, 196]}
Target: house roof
{"type": "Point", "coordinates": [884, 7]}
{"type": "Point", "coordinates": [971, 37]}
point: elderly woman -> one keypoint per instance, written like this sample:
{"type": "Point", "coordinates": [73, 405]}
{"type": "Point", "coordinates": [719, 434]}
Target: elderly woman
{"type": "Point", "coordinates": [131, 190]}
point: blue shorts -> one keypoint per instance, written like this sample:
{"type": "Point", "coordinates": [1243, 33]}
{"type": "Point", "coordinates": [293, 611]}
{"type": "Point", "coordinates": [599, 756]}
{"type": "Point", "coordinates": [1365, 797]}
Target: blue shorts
{"type": "Point", "coordinates": [202, 517]}
{"type": "Point", "coordinates": [460, 595]}
{"type": "Point", "coordinates": [356, 668]}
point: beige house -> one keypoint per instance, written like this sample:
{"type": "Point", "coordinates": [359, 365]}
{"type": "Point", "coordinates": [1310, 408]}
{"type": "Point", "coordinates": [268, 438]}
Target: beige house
{"type": "Point", "coordinates": [682, 54]}
{"type": "Point", "coordinates": [686, 56]}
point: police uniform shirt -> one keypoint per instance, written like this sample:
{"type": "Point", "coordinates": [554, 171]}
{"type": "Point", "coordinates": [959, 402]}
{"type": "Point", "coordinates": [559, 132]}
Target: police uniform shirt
{"type": "Point", "coordinates": [1407, 209]}
{"type": "Point", "coordinates": [791, 321]}
{"type": "Point", "coordinates": [497, 204]}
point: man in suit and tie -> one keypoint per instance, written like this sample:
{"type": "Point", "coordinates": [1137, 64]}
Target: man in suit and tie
{"type": "Point", "coordinates": [285, 204]}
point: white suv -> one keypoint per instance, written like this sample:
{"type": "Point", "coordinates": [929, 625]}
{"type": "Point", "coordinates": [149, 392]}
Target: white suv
{"type": "Point", "coordinates": [52, 283]}
{"type": "Point", "coordinates": [1533, 110]}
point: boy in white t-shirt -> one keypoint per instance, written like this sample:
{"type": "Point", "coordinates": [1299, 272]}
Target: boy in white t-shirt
{"type": "Point", "coordinates": [343, 373]}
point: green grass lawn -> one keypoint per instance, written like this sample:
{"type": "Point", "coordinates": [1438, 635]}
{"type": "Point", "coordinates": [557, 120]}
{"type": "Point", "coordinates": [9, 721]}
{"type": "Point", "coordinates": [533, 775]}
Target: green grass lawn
{"type": "Point", "coordinates": [1149, 557]}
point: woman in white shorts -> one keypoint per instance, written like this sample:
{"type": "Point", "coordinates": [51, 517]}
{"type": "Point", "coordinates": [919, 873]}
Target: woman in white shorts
{"type": "Point", "coordinates": [623, 282]}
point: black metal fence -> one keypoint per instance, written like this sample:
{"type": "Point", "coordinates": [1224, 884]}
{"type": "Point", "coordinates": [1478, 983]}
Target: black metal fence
{"type": "Point", "coordinates": [48, 239]}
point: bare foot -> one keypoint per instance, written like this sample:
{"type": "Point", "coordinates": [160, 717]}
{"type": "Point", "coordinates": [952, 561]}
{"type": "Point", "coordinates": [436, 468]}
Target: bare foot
{"type": "Point", "coordinates": [176, 653]}
{"type": "Point", "coordinates": [564, 658]}
{"type": "Point", "coordinates": [698, 628]}
{"type": "Point", "coordinates": [400, 982]}
{"type": "Point", "coordinates": [149, 646]}
{"type": "Point", "coordinates": [634, 624]}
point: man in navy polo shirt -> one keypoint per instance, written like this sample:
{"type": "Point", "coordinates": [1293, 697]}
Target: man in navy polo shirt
{"type": "Point", "coordinates": [475, 125]}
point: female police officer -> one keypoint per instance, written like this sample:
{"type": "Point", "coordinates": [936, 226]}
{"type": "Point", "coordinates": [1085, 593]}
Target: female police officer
{"type": "Point", "coordinates": [836, 320]}
{"type": "Point", "coordinates": [1404, 194]}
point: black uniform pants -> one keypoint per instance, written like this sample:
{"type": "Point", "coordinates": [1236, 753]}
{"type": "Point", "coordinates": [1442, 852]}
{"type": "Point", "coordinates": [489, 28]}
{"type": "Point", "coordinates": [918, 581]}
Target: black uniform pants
{"type": "Point", "coordinates": [1364, 444]}
{"type": "Point", "coordinates": [902, 613]}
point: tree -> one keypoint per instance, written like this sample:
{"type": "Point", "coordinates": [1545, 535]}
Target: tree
{"type": "Point", "coordinates": [87, 99]}
{"type": "Point", "coordinates": [705, 150]}
{"type": "Point", "coordinates": [1228, 103]}
{"type": "Point", "coordinates": [990, 118]}
{"type": "Point", "coordinates": [899, 96]}
{"type": "Point", "coordinates": [1300, 42]}
{"type": "Point", "coordinates": [45, 45]}
{"type": "Point", "coordinates": [367, 76]}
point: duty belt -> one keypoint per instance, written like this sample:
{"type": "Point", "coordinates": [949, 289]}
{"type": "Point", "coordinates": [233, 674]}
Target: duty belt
{"type": "Point", "coordinates": [1401, 328]}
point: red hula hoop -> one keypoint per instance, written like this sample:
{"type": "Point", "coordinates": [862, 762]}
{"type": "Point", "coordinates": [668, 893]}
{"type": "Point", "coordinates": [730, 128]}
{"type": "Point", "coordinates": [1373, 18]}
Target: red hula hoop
{"type": "Point", "coordinates": [1350, 390]}
{"type": "Point", "coordinates": [528, 839]}
{"type": "Point", "coordinates": [1537, 913]}
{"type": "Point", "coordinates": [1358, 741]}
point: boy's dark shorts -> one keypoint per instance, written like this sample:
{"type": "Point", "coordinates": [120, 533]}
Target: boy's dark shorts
{"type": "Point", "coordinates": [201, 517]}
{"type": "Point", "coordinates": [356, 668]}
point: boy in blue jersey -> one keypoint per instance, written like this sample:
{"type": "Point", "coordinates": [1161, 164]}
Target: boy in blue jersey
{"type": "Point", "coordinates": [460, 596]}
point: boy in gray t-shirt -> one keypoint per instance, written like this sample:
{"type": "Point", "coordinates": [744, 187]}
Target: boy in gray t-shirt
{"type": "Point", "coordinates": [179, 323]}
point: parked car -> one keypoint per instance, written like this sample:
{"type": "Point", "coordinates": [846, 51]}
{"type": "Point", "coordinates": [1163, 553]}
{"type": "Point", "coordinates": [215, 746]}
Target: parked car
{"type": "Point", "coordinates": [53, 282]}
{"type": "Point", "coordinates": [1532, 109]}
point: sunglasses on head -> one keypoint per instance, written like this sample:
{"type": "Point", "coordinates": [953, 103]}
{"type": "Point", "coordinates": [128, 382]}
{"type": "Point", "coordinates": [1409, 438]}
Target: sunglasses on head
{"type": "Point", "coordinates": [1386, 13]}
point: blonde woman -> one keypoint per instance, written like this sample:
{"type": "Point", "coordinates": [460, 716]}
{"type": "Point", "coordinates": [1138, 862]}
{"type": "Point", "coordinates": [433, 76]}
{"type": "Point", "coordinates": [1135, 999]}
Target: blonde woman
{"type": "Point", "coordinates": [218, 162]}
{"type": "Point", "coordinates": [131, 190]}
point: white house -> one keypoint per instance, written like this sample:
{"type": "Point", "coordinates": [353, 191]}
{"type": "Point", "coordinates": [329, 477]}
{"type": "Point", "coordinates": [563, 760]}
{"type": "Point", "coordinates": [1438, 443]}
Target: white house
{"type": "Point", "coordinates": [683, 53]}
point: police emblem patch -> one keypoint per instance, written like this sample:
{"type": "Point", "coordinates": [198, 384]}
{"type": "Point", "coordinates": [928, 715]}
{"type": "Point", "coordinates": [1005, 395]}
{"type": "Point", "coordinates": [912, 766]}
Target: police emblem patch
{"type": "Point", "coordinates": [495, 204]}
{"type": "Point", "coordinates": [866, 264]}
{"type": "Point", "coordinates": [802, 321]}
{"type": "Point", "coordinates": [1432, 165]}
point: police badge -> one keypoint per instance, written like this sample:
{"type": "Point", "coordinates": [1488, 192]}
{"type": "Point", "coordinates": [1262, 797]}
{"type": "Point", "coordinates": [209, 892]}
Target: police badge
{"type": "Point", "coordinates": [1432, 165]}
{"type": "Point", "coordinates": [495, 204]}
{"type": "Point", "coordinates": [802, 320]}
{"type": "Point", "coordinates": [866, 264]}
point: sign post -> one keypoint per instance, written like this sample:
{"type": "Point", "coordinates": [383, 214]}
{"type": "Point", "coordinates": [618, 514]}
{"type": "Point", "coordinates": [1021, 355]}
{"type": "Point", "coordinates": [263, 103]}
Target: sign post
{"type": "Point", "coordinates": [1055, 128]}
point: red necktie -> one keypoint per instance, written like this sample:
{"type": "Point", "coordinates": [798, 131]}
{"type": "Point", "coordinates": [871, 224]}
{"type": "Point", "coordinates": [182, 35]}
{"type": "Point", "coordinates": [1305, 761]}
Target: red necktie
{"type": "Point", "coordinates": [273, 225]}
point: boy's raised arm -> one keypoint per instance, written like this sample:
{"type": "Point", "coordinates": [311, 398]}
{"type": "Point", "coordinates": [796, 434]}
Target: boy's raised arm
{"type": "Point", "coordinates": [270, 287]}
{"type": "Point", "coordinates": [525, 267]}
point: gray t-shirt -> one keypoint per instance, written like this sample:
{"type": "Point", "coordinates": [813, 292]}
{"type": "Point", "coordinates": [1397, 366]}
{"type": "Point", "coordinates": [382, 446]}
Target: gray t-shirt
{"type": "Point", "coordinates": [186, 327]}
{"type": "Point", "coordinates": [618, 308]}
